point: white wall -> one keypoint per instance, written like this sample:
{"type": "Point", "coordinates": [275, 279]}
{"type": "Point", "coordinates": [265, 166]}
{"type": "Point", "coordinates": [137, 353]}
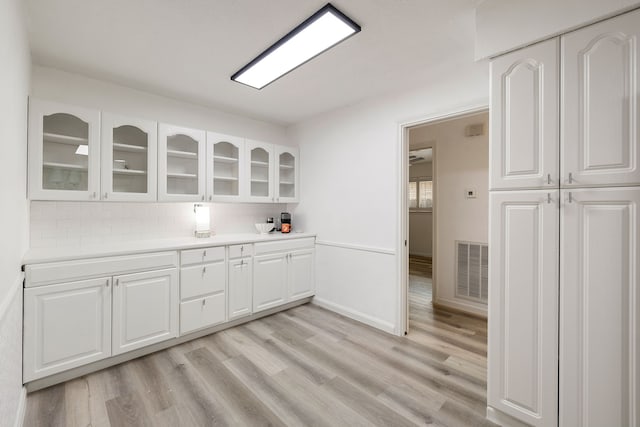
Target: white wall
{"type": "Point", "coordinates": [14, 90]}
{"type": "Point", "coordinates": [350, 167]}
{"type": "Point", "coordinates": [503, 25]}
{"type": "Point", "coordinates": [420, 223]}
{"type": "Point", "coordinates": [460, 163]}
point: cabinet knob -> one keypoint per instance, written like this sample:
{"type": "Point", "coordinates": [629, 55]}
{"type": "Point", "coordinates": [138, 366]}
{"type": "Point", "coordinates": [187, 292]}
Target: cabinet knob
{"type": "Point", "coordinates": [203, 198]}
{"type": "Point", "coordinates": [204, 301]}
{"type": "Point", "coordinates": [204, 254]}
{"type": "Point", "coordinates": [93, 195]}
{"type": "Point", "coordinates": [106, 195]}
{"type": "Point", "coordinates": [204, 270]}
{"type": "Point", "coordinates": [210, 198]}
{"type": "Point", "coordinates": [570, 178]}
{"type": "Point", "coordinates": [548, 179]}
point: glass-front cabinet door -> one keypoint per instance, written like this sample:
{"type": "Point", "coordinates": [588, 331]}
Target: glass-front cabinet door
{"type": "Point", "coordinates": [181, 163]}
{"type": "Point", "coordinates": [225, 167]}
{"type": "Point", "coordinates": [64, 152]}
{"type": "Point", "coordinates": [286, 174]}
{"type": "Point", "coordinates": [260, 168]}
{"type": "Point", "coordinates": [129, 158]}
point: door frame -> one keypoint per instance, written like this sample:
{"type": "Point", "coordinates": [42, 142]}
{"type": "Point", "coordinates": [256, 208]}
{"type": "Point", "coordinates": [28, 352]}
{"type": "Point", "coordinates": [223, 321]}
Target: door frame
{"type": "Point", "coordinates": [403, 206]}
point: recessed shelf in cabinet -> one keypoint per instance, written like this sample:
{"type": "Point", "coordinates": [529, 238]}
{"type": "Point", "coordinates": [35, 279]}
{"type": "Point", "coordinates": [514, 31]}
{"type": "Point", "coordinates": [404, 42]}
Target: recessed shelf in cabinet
{"type": "Point", "coordinates": [182, 154]}
{"type": "Point", "coordinates": [129, 148]}
{"type": "Point", "coordinates": [225, 178]}
{"type": "Point", "coordinates": [129, 172]}
{"type": "Point", "coordinates": [64, 139]}
{"type": "Point", "coordinates": [286, 183]}
{"type": "Point", "coordinates": [286, 166]}
{"type": "Point", "coordinates": [68, 166]}
{"type": "Point", "coordinates": [261, 164]}
{"type": "Point", "coordinates": [223, 159]}
{"type": "Point", "coordinates": [182, 175]}
{"type": "Point", "coordinates": [260, 180]}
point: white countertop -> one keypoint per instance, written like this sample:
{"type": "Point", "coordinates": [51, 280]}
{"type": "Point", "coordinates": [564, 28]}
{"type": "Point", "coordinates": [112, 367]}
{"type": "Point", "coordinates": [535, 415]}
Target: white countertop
{"type": "Point", "coordinates": [41, 255]}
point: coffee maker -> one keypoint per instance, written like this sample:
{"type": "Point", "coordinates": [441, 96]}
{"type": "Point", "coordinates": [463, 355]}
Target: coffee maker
{"type": "Point", "coordinates": [285, 222]}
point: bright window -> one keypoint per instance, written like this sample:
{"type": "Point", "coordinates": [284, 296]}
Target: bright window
{"type": "Point", "coordinates": [421, 194]}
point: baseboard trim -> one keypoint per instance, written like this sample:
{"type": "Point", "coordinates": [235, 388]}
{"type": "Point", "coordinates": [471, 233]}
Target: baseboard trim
{"type": "Point", "coordinates": [462, 307]}
{"type": "Point", "coordinates": [503, 419]}
{"type": "Point", "coordinates": [5, 305]}
{"type": "Point", "coordinates": [22, 408]}
{"type": "Point", "coordinates": [355, 315]}
{"type": "Point", "coordinates": [356, 247]}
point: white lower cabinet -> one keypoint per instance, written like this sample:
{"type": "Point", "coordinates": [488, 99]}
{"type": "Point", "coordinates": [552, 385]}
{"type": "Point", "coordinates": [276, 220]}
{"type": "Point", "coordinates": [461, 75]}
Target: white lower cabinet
{"type": "Point", "coordinates": [240, 288]}
{"type": "Point", "coordinates": [65, 326]}
{"type": "Point", "coordinates": [301, 274]}
{"type": "Point", "coordinates": [283, 272]}
{"type": "Point", "coordinates": [144, 309]}
{"type": "Point", "coordinates": [600, 308]}
{"type": "Point", "coordinates": [202, 312]}
{"type": "Point", "coordinates": [269, 281]}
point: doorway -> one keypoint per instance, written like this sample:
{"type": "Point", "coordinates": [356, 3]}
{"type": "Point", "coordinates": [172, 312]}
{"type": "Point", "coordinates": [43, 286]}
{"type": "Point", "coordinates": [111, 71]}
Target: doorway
{"type": "Point", "coordinates": [445, 215]}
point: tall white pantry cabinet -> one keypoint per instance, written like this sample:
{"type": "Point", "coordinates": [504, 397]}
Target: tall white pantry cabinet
{"type": "Point", "coordinates": [564, 328]}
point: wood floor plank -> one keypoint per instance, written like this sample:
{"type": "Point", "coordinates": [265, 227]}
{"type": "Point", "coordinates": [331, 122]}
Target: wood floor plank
{"type": "Point", "coordinates": [238, 399]}
{"type": "Point", "coordinates": [46, 408]}
{"type": "Point", "coordinates": [128, 411]}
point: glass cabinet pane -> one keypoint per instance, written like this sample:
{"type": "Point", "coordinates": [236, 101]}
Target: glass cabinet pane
{"type": "Point", "coordinates": [260, 172]}
{"type": "Point", "coordinates": [182, 165]}
{"type": "Point", "coordinates": [65, 153]}
{"type": "Point", "coordinates": [130, 168]}
{"type": "Point", "coordinates": [226, 177]}
{"type": "Point", "coordinates": [287, 175]}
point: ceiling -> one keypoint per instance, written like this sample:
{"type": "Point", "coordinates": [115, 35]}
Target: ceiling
{"type": "Point", "coordinates": [189, 49]}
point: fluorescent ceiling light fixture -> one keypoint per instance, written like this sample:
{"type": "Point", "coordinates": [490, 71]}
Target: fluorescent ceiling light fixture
{"type": "Point", "coordinates": [323, 30]}
{"type": "Point", "coordinates": [83, 150]}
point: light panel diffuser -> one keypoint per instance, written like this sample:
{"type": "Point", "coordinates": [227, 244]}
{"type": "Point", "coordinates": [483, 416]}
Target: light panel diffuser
{"type": "Point", "coordinates": [324, 29]}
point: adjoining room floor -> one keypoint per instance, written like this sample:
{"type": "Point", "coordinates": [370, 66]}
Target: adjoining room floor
{"type": "Point", "coordinates": [305, 366]}
{"type": "Point", "coordinates": [420, 284]}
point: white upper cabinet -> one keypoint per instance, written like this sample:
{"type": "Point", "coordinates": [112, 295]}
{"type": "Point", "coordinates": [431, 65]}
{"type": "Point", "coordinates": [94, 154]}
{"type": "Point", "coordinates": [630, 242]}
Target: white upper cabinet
{"type": "Point", "coordinates": [600, 110]}
{"type": "Point", "coordinates": [260, 170]}
{"type": "Point", "coordinates": [524, 118]}
{"type": "Point", "coordinates": [523, 305]}
{"type": "Point", "coordinates": [600, 308]}
{"type": "Point", "coordinates": [287, 171]}
{"type": "Point", "coordinates": [226, 175]}
{"type": "Point", "coordinates": [129, 158]}
{"type": "Point", "coordinates": [64, 152]}
{"type": "Point", "coordinates": [181, 164]}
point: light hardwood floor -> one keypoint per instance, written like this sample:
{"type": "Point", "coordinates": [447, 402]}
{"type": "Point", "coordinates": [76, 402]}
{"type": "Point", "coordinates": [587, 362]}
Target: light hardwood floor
{"type": "Point", "coordinates": [305, 366]}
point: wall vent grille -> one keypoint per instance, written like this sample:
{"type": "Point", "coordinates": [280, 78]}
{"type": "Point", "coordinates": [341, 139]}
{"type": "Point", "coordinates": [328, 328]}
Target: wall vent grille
{"type": "Point", "coordinates": [472, 271]}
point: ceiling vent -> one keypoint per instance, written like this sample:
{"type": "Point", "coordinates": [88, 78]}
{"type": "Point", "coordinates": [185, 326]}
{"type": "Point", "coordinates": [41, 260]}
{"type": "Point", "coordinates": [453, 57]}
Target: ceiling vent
{"type": "Point", "coordinates": [476, 129]}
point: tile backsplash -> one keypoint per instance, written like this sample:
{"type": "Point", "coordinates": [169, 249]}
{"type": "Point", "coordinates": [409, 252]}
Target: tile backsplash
{"type": "Point", "coordinates": [56, 224]}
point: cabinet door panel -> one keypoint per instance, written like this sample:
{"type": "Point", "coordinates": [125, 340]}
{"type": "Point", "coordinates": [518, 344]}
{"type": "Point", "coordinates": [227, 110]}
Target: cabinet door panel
{"type": "Point", "coordinates": [269, 281]}
{"type": "Point", "coordinates": [64, 152]}
{"type": "Point", "coordinates": [600, 70]}
{"type": "Point", "coordinates": [181, 164]}
{"type": "Point", "coordinates": [524, 118]}
{"type": "Point", "coordinates": [301, 274]}
{"type": "Point", "coordinates": [202, 279]}
{"type": "Point", "coordinates": [226, 177]}
{"type": "Point", "coordinates": [523, 305]}
{"type": "Point", "coordinates": [129, 158]}
{"type": "Point", "coordinates": [240, 288]}
{"type": "Point", "coordinates": [599, 353]}
{"type": "Point", "coordinates": [145, 309]}
{"type": "Point", "coordinates": [287, 171]}
{"type": "Point", "coordinates": [260, 171]}
{"type": "Point", "coordinates": [66, 326]}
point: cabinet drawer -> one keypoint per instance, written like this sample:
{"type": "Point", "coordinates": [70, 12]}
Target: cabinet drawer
{"type": "Point", "coordinates": [201, 256]}
{"type": "Point", "coordinates": [239, 251]}
{"type": "Point", "coordinates": [284, 245]}
{"type": "Point", "coordinates": [55, 272]}
{"type": "Point", "coordinates": [201, 313]}
{"type": "Point", "coordinates": [202, 279]}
